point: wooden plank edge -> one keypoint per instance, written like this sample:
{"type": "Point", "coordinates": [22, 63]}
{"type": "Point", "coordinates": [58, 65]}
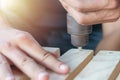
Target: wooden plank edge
{"type": "Point", "coordinates": [115, 73]}
{"type": "Point", "coordinates": [80, 67]}
{"type": "Point", "coordinates": [118, 78]}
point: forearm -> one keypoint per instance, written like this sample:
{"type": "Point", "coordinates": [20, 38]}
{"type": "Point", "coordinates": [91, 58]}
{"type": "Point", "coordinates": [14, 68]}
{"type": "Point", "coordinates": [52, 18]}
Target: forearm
{"type": "Point", "coordinates": [111, 37]}
{"type": "Point", "coordinates": [111, 42]}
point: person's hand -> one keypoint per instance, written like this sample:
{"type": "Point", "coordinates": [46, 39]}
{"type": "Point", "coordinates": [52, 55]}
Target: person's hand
{"type": "Point", "coordinates": [26, 54]}
{"type": "Point", "coordinates": [93, 11]}
{"type": "Point", "coordinates": [20, 75]}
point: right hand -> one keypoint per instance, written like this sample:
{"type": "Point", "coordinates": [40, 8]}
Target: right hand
{"type": "Point", "coordinates": [89, 12]}
{"type": "Point", "coordinates": [27, 55]}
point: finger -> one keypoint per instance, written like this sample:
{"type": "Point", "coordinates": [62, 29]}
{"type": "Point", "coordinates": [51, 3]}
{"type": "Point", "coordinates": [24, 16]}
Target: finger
{"type": "Point", "coordinates": [53, 54]}
{"type": "Point", "coordinates": [113, 4]}
{"type": "Point", "coordinates": [5, 71]}
{"type": "Point", "coordinates": [23, 62]}
{"type": "Point", "coordinates": [102, 16]}
{"type": "Point", "coordinates": [91, 5]}
{"type": "Point", "coordinates": [51, 50]}
{"type": "Point", "coordinates": [54, 51]}
{"type": "Point", "coordinates": [93, 17]}
{"type": "Point", "coordinates": [29, 45]}
{"type": "Point", "coordinates": [86, 5]}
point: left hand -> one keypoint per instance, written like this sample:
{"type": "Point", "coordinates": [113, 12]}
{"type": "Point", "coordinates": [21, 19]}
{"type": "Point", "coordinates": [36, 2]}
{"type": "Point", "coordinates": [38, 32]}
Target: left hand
{"type": "Point", "coordinates": [93, 11]}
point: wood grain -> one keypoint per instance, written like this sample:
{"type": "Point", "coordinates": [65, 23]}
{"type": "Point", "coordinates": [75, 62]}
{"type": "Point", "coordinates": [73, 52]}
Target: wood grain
{"type": "Point", "coordinates": [104, 66]}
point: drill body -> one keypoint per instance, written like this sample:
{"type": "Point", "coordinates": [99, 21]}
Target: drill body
{"type": "Point", "coordinates": [79, 33]}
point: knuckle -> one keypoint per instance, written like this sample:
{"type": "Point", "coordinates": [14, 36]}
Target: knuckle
{"type": "Point", "coordinates": [25, 61]}
{"type": "Point", "coordinates": [115, 4]}
{"type": "Point", "coordinates": [22, 36]}
{"type": "Point", "coordinates": [81, 20]}
{"type": "Point", "coordinates": [116, 16]}
{"type": "Point", "coordinates": [45, 56]}
{"type": "Point", "coordinates": [6, 46]}
{"type": "Point", "coordinates": [79, 7]}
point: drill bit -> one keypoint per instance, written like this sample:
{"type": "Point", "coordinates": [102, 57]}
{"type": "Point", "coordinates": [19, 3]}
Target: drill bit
{"type": "Point", "coordinates": [80, 48]}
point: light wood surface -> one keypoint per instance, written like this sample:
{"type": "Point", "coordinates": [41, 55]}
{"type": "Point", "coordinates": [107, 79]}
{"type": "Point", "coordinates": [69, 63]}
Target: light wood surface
{"type": "Point", "coordinates": [104, 66]}
{"type": "Point", "coordinates": [77, 60]}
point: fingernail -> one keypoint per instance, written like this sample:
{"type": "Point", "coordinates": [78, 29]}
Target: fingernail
{"type": "Point", "coordinates": [43, 76]}
{"type": "Point", "coordinates": [10, 78]}
{"type": "Point", "coordinates": [64, 67]}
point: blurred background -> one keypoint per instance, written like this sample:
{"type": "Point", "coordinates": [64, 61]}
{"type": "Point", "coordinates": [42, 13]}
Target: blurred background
{"type": "Point", "coordinates": [46, 21]}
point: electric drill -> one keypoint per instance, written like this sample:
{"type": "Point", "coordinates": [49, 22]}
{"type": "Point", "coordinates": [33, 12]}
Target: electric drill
{"type": "Point", "coordinates": [79, 33]}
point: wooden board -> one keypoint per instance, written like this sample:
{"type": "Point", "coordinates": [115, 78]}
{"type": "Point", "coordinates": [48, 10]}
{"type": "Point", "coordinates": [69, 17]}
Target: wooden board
{"type": "Point", "coordinates": [77, 60]}
{"type": "Point", "coordinates": [118, 78]}
{"type": "Point", "coordinates": [104, 66]}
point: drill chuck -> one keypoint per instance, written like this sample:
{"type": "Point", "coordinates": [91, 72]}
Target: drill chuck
{"type": "Point", "coordinates": [79, 33]}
